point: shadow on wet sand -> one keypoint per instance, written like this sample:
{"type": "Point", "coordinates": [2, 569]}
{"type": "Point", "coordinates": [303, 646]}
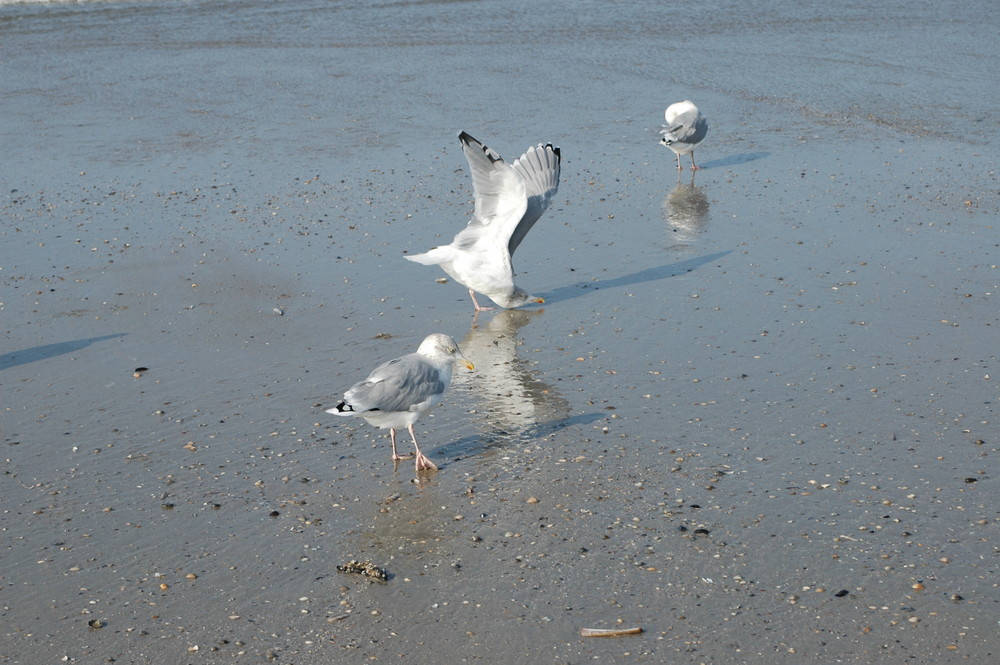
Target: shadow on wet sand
{"type": "Point", "coordinates": [46, 351]}
{"type": "Point", "coordinates": [648, 275]}
{"type": "Point", "coordinates": [733, 160]}
{"type": "Point", "coordinates": [476, 444]}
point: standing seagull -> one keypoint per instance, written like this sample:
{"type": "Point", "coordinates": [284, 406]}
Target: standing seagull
{"type": "Point", "coordinates": [398, 392]}
{"type": "Point", "coordinates": [685, 129]}
{"type": "Point", "coordinates": [509, 200]}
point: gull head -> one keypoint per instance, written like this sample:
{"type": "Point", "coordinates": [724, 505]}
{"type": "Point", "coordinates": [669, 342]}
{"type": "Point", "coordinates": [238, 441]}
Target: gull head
{"type": "Point", "coordinates": [517, 298]}
{"type": "Point", "coordinates": [442, 346]}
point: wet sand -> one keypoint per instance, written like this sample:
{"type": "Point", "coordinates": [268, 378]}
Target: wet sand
{"type": "Point", "coordinates": [756, 415]}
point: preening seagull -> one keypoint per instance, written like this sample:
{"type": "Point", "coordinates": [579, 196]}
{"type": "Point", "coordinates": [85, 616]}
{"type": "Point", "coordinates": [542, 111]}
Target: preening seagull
{"type": "Point", "coordinates": [398, 392]}
{"type": "Point", "coordinates": [509, 200]}
{"type": "Point", "coordinates": [685, 129]}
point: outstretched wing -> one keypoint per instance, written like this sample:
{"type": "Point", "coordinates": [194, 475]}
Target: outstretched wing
{"type": "Point", "coordinates": [500, 192]}
{"type": "Point", "coordinates": [538, 168]}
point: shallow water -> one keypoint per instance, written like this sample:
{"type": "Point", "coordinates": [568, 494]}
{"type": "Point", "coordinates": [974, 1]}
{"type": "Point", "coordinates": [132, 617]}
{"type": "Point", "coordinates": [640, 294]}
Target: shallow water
{"type": "Point", "coordinates": [793, 352]}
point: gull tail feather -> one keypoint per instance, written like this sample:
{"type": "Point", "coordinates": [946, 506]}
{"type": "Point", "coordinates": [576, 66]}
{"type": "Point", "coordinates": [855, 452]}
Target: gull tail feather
{"type": "Point", "coordinates": [435, 256]}
{"type": "Point", "coordinates": [342, 409]}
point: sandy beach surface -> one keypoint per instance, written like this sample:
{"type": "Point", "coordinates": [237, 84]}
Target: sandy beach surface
{"type": "Point", "coordinates": [756, 415]}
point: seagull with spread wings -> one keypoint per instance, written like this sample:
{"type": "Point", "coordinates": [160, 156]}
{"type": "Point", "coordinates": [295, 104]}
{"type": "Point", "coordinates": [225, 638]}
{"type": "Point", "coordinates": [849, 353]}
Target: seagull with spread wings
{"type": "Point", "coordinates": [509, 200]}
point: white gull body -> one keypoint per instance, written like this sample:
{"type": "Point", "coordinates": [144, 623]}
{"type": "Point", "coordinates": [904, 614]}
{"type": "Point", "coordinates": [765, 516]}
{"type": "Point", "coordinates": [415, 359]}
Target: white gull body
{"type": "Point", "coordinates": [402, 390]}
{"type": "Point", "coordinates": [685, 129]}
{"type": "Point", "coordinates": [509, 200]}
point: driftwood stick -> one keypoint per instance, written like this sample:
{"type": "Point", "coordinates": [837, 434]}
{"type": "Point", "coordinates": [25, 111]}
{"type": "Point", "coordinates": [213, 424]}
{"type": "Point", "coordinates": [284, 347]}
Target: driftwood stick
{"type": "Point", "coordinates": [609, 632]}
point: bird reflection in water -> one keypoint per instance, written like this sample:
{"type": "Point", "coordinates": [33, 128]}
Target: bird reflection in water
{"type": "Point", "coordinates": [513, 406]}
{"type": "Point", "coordinates": [514, 402]}
{"type": "Point", "coordinates": [685, 210]}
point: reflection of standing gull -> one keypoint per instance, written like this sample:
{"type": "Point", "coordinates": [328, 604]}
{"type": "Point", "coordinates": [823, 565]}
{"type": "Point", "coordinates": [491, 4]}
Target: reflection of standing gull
{"type": "Point", "coordinates": [685, 210]}
{"type": "Point", "coordinates": [512, 398]}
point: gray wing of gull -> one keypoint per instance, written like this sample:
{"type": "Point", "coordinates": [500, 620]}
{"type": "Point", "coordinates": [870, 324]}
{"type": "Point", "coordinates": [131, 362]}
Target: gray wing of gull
{"type": "Point", "coordinates": [396, 385]}
{"type": "Point", "coordinates": [688, 127]}
{"type": "Point", "coordinates": [539, 169]}
{"type": "Point", "coordinates": [500, 194]}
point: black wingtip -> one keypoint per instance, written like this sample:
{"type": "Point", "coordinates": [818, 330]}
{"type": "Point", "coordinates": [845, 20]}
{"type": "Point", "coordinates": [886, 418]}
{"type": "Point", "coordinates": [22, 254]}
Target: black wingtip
{"type": "Point", "coordinates": [469, 142]}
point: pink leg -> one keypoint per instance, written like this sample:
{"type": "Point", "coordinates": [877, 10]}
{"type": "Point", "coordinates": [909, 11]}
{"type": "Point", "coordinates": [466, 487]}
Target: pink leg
{"type": "Point", "coordinates": [476, 303]}
{"type": "Point", "coordinates": [694, 167]}
{"type": "Point", "coordinates": [422, 461]}
{"type": "Point", "coordinates": [679, 167]}
{"type": "Point", "coordinates": [392, 437]}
